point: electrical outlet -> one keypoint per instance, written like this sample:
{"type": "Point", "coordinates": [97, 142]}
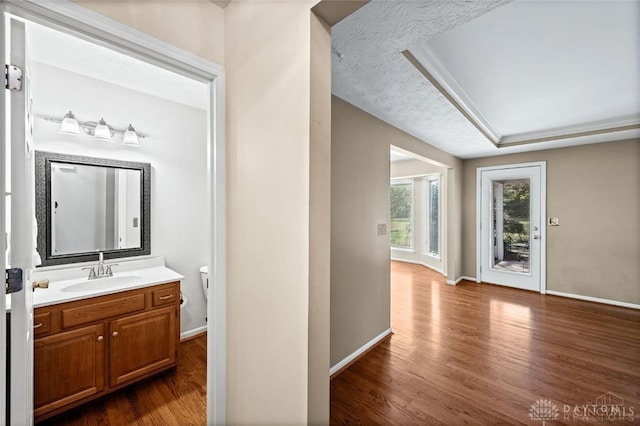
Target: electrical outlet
{"type": "Point", "coordinates": [382, 229]}
{"type": "Point", "coordinates": [554, 221]}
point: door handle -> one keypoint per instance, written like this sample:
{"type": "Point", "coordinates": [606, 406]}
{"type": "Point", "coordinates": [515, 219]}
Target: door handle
{"type": "Point", "coordinates": [536, 237]}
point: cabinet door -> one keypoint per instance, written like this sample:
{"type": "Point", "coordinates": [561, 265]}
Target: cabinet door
{"type": "Point", "coordinates": [142, 344]}
{"type": "Point", "coordinates": [68, 366]}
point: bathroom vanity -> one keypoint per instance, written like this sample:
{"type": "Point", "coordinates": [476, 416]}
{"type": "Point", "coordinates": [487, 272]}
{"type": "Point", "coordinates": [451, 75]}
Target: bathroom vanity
{"type": "Point", "coordinates": [92, 337]}
{"type": "Point", "coordinates": [97, 327]}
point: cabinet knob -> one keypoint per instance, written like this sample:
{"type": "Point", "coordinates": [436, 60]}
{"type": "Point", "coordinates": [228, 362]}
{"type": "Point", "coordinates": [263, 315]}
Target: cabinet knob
{"type": "Point", "coordinates": [100, 338]}
{"type": "Point", "coordinates": [114, 334]}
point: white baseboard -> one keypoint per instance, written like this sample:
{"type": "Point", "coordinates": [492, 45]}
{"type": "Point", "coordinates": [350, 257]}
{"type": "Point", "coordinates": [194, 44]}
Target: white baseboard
{"type": "Point", "coordinates": [362, 349]}
{"type": "Point", "coordinates": [416, 262]}
{"type": "Point", "coordinates": [193, 332]}
{"type": "Point", "coordinates": [594, 299]}
{"type": "Point", "coordinates": [451, 282]}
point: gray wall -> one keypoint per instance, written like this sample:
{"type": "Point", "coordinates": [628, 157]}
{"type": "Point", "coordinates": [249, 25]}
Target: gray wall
{"type": "Point", "coordinates": [593, 190]}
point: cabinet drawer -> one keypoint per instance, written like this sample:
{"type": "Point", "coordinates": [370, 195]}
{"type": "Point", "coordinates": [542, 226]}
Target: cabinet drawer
{"type": "Point", "coordinates": [72, 317]}
{"type": "Point", "coordinates": [41, 323]}
{"type": "Point", "coordinates": [165, 296]}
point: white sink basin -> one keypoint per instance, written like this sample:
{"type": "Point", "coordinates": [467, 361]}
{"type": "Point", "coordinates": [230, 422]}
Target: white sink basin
{"type": "Point", "coordinates": [101, 283]}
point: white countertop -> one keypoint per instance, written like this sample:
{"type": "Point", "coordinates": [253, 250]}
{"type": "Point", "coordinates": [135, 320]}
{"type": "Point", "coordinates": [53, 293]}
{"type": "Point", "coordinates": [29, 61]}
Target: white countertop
{"type": "Point", "coordinates": [128, 275]}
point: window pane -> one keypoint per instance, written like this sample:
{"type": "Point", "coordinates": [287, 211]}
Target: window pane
{"type": "Point", "coordinates": [510, 221]}
{"type": "Point", "coordinates": [401, 215]}
{"type": "Point", "coordinates": [434, 217]}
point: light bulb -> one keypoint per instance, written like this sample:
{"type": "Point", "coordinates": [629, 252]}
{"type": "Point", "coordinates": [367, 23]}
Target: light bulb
{"type": "Point", "coordinates": [70, 124]}
{"type": "Point", "coordinates": [130, 136]}
{"type": "Point", "coordinates": [102, 130]}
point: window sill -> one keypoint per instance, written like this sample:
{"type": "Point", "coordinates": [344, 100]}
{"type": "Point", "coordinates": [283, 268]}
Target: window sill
{"type": "Point", "coordinates": [403, 250]}
{"type": "Point", "coordinates": [432, 256]}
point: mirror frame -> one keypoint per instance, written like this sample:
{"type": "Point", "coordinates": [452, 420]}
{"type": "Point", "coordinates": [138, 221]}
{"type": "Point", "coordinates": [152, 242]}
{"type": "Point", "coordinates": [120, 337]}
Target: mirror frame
{"type": "Point", "coordinates": [43, 162]}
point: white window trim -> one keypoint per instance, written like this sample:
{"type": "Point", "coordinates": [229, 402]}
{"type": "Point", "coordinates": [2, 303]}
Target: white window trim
{"type": "Point", "coordinates": [411, 248]}
{"type": "Point", "coordinates": [426, 229]}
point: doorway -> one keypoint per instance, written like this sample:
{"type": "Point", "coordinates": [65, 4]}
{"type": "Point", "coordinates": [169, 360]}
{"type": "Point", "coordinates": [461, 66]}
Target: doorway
{"type": "Point", "coordinates": [76, 21]}
{"type": "Point", "coordinates": [418, 210]}
{"type": "Point", "coordinates": [511, 211]}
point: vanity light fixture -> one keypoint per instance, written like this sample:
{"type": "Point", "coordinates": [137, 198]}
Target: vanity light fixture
{"type": "Point", "coordinates": [100, 130]}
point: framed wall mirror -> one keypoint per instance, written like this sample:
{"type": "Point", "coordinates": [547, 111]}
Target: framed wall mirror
{"type": "Point", "coordinates": [87, 205]}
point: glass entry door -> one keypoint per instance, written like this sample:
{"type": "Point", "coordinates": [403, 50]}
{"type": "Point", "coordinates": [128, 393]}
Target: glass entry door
{"type": "Point", "coordinates": [510, 226]}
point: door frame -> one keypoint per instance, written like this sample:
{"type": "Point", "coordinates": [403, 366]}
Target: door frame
{"type": "Point", "coordinates": [543, 215]}
{"type": "Point", "coordinates": [70, 18]}
{"type": "Point", "coordinates": [3, 243]}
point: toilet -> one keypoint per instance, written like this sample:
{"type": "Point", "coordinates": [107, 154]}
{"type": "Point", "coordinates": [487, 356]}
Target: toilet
{"type": "Point", "coordinates": [204, 276]}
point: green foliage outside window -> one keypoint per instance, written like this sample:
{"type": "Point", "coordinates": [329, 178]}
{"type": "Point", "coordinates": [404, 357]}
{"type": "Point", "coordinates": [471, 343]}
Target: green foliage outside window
{"type": "Point", "coordinates": [401, 210]}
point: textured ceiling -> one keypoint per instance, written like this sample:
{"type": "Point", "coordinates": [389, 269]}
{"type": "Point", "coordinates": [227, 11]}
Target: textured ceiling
{"type": "Point", "coordinates": [370, 72]}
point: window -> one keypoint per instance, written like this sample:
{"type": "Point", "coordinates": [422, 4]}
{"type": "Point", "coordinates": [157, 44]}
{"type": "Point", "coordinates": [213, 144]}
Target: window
{"type": "Point", "coordinates": [401, 233]}
{"type": "Point", "coordinates": [431, 186]}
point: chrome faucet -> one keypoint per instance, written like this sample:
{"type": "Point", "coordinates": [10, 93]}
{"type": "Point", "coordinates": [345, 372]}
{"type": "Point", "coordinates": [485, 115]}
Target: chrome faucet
{"type": "Point", "coordinates": [102, 272]}
{"type": "Point", "coordinates": [100, 264]}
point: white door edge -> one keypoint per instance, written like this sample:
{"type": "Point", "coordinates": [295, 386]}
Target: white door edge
{"type": "Point", "coordinates": [3, 308]}
{"type": "Point", "coordinates": [65, 16]}
{"type": "Point", "coordinates": [543, 212]}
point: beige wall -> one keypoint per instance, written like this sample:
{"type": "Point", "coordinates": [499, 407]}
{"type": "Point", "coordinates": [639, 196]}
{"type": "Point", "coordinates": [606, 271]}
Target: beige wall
{"type": "Point", "coordinates": [196, 26]}
{"type": "Point", "coordinates": [360, 172]}
{"type": "Point", "coordinates": [267, 59]}
{"type": "Point", "coordinates": [360, 269]}
{"type": "Point", "coordinates": [593, 190]}
{"type": "Point", "coordinates": [410, 168]}
{"type": "Point", "coordinates": [319, 222]}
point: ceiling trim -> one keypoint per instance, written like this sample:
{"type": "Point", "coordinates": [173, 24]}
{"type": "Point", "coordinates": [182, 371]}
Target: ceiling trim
{"type": "Point", "coordinates": [332, 11]}
{"type": "Point", "coordinates": [451, 97]}
{"type": "Point", "coordinates": [444, 82]}
{"type": "Point", "coordinates": [567, 134]}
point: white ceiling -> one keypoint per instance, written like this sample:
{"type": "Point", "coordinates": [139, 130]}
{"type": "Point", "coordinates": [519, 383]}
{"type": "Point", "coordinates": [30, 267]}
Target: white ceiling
{"type": "Point", "coordinates": [520, 70]}
{"type": "Point", "coordinates": [79, 56]}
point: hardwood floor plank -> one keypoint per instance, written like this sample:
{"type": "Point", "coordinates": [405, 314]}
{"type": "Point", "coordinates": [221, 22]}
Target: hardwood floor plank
{"type": "Point", "coordinates": [483, 354]}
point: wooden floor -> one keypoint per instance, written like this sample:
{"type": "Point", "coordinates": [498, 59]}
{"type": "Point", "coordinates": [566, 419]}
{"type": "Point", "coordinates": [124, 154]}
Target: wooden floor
{"type": "Point", "coordinates": [484, 354]}
{"type": "Point", "coordinates": [175, 398]}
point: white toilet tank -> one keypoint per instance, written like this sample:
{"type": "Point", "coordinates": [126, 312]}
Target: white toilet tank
{"type": "Point", "coordinates": [204, 275]}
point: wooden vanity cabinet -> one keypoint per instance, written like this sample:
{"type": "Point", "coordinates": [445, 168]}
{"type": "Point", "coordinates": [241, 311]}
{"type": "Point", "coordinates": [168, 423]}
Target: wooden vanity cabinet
{"type": "Point", "coordinates": [91, 347]}
{"type": "Point", "coordinates": [141, 344]}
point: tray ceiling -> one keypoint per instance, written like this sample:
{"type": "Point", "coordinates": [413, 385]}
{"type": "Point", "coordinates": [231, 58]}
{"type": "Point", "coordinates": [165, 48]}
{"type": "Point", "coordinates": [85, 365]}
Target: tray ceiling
{"type": "Point", "coordinates": [490, 77]}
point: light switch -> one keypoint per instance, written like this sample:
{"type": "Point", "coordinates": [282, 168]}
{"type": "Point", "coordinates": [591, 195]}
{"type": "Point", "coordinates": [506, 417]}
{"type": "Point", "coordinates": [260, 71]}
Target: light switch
{"type": "Point", "coordinates": [554, 221]}
{"type": "Point", "coordinates": [382, 229]}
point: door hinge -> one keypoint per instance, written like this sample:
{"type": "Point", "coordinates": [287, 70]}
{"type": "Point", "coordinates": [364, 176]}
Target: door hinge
{"type": "Point", "coordinates": [12, 78]}
{"type": "Point", "coordinates": [12, 280]}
